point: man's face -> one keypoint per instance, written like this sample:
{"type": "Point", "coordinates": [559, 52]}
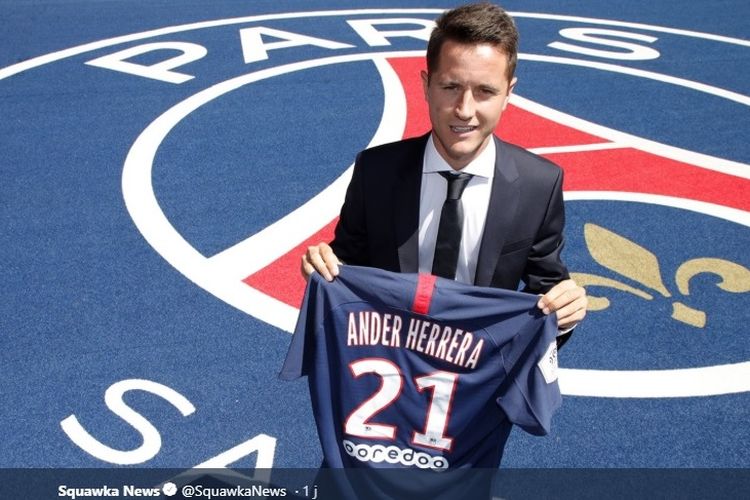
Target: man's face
{"type": "Point", "coordinates": [466, 96]}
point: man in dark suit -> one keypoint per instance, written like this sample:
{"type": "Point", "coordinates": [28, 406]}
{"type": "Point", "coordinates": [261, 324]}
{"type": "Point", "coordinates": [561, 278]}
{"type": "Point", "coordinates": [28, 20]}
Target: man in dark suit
{"type": "Point", "coordinates": [511, 207]}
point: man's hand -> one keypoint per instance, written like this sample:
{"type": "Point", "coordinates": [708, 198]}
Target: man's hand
{"type": "Point", "coordinates": [568, 300]}
{"type": "Point", "coordinates": [320, 258]}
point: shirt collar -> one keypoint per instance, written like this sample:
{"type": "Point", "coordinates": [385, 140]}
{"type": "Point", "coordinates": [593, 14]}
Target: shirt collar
{"type": "Point", "coordinates": [482, 166]}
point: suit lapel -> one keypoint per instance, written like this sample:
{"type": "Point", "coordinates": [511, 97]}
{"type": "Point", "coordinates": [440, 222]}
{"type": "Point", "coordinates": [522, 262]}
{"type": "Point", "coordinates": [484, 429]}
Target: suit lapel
{"type": "Point", "coordinates": [406, 205]}
{"type": "Point", "coordinates": [500, 214]}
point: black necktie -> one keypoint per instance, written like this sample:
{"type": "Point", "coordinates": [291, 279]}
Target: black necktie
{"type": "Point", "coordinates": [448, 240]}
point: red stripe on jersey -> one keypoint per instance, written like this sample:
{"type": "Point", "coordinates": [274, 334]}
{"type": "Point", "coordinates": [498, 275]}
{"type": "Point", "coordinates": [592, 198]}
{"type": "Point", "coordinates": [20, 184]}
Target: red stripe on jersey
{"type": "Point", "coordinates": [423, 295]}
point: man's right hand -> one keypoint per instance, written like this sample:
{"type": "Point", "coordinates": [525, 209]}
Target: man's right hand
{"type": "Point", "coordinates": [320, 258]}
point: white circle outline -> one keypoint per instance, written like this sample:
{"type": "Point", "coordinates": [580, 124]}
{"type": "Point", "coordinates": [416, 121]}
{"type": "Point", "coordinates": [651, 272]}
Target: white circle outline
{"type": "Point", "coordinates": [602, 383]}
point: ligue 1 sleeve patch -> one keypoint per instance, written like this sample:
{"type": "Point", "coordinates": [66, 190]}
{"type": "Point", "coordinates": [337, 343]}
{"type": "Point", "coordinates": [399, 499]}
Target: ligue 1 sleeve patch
{"type": "Point", "coordinates": [548, 363]}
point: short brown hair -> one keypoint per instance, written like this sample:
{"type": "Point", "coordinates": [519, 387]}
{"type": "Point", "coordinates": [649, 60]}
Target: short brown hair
{"type": "Point", "coordinates": [474, 24]}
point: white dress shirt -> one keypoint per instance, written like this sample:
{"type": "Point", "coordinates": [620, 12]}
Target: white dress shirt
{"type": "Point", "coordinates": [475, 200]}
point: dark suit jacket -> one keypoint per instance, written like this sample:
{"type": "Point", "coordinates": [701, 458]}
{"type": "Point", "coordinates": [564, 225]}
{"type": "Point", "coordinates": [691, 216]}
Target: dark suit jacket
{"type": "Point", "coordinates": [522, 238]}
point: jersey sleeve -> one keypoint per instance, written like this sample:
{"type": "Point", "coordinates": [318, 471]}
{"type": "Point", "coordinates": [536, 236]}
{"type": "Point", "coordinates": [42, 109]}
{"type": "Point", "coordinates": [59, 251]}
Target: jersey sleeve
{"type": "Point", "coordinates": [301, 353]}
{"type": "Point", "coordinates": [531, 394]}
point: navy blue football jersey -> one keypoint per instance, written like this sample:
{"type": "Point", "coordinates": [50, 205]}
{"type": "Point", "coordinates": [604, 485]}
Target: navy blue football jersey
{"type": "Point", "coordinates": [414, 371]}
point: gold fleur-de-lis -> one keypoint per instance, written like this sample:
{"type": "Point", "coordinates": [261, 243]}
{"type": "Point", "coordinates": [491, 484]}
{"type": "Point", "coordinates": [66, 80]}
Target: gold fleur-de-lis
{"type": "Point", "coordinates": [632, 261]}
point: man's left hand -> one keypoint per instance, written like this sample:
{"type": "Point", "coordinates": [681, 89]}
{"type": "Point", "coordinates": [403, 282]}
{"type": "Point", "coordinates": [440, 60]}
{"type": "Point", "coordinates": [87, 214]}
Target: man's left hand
{"type": "Point", "coordinates": [568, 300]}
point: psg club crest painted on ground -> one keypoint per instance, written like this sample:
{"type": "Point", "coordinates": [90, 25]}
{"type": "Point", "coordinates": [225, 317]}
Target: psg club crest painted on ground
{"type": "Point", "coordinates": [633, 282]}
{"type": "Point", "coordinates": [363, 89]}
